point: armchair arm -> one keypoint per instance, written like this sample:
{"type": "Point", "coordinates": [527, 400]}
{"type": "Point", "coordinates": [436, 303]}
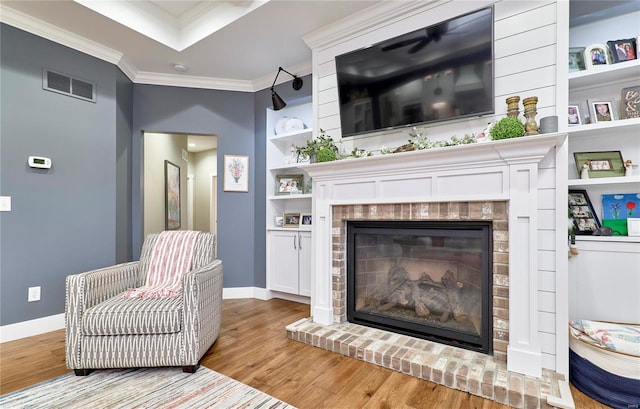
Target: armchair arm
{"type": "Point", "coordinates": [87, 289]}
{"type": "Point", "coordinates": [202, 292]}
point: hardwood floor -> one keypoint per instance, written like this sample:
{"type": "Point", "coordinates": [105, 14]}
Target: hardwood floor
{"type": "Point", "coordinates": [253, 348]}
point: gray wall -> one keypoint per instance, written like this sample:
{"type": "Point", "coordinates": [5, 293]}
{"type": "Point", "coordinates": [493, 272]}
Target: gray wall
{"type": "Point", "coordinates": [229, 115]}
{"type": "Point", "coordinates": [63, 220]}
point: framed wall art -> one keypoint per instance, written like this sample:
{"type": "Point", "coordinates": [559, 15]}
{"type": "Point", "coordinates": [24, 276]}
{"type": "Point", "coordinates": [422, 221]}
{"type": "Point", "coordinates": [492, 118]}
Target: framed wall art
{"type": "Point", "coordinates": [617, 208]}
{"type": "Point", "coordinates": [623, 50]}
{"type": "Point", "coordinates": [289, 184]}
{"type": "Point", "coordinates": [585, 220]}
{"type": "Point", "coordinates": [172, 196]}
{"type": "Point", "coordinates": [600, 164]}
{"type": "Point", "coordinates": [596, 55]}
{"type": "Point", "coordinates": [236, 173]}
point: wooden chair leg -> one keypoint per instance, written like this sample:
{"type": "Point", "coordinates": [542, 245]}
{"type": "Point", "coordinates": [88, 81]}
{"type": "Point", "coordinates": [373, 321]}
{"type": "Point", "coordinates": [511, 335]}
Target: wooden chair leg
{"type": "Point", "coordinates": [82, 372]}
{"type": "Point", "coordinates": [190, 368]}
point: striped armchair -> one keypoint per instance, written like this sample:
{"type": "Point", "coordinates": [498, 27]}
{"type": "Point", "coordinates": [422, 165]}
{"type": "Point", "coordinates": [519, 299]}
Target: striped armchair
{"type": "Point", "coordinates": [104, 330]}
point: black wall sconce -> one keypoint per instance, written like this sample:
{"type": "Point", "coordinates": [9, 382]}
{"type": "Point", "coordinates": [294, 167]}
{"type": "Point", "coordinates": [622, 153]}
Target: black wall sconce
{"type": "Point", "coordinates": [278, 103]}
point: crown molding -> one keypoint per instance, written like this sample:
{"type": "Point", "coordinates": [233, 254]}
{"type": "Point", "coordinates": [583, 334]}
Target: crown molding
{"type": "Point", "coordinates": [371, 18]}
{"type": "Point", "coordinates": [176, 80]}
{"type": "Point", "coordinates": [40, 28]}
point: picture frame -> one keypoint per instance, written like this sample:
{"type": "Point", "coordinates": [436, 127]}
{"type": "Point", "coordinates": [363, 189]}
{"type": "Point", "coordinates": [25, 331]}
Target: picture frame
{"type": "Point", "coordinates": [596, 55]}
{"type": "Point", "coordinates": [291, 220]}
{"type": "Point", "coordinates": [289, 184]}
{"type": "Point", "coordinates": [574, 117]}
{"type": "Point", "coordinates": [617, 208]}
{"type": "Point", "coordinates": [306, 220]}
{"type": "Point", "coordinates": [236, 173]}
{"type": "Point", "coordinates": [600, 164]}
{"type": "Point", "coordinates": [623, 50]}
{"type": "Point", "coordinates": [585, 220]}
{"type": "Point", "coordinates": [576, 59]}
{"type": "Point", "coordinates": [172, 208]}
{"type": "Point", "coordinates": [630, 103]}
{"type": "Point", "coordinates": [277, 221]}
{"type": "Point", "coordinates": [601, 111]}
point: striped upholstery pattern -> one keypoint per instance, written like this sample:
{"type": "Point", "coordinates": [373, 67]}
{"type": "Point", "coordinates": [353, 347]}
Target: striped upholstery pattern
{"type": "Point", "coordinates": [102, 332]}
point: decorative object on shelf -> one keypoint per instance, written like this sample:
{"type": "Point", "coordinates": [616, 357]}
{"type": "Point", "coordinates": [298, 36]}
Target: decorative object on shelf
{"type": "Point", "coordinates": [278, 103]}
{"type": "Point", "coordinates": [281, 125]}
{"type": "Point", "coordinates": [549, 124]}
{"type": "Point", "coordinates": [633, 227]}
{"type": "Point", "coordinates": [596, 55]}
{"type": "Point", "coordinates": [289, 184]}
{"type": "Point", "coordinates": [576, 59]}
{"type": "Point", "coordinates": [293, 125]}
{"type": "Point", "coordinates": [308, 187]}
{"type": "Point", "coordinates": [512, 106]}
{"type": "Point", "coordinates": [277, 221]}
{"type": "Point", "coordinates": [628, 168]}
{"type": "Point", "coordinates": [293, 155]}
{"type": "Point", "coordinates": [574, 115]}
{"type": "Point", "coordinates": [602, 111]}
{"type": "Point", "coordinates": [573, 249]}
{"type": "Point", "coordinates": [485, 135]}
{"type": "Point", "coordinates": [584, 172]}
{"type": "Point", "coordinates": [617, 208]}
{"type": "Point", "coordinates": [623, 50]}
{"type": "Point", "coordinates": [236, 173]}
{"type": "Point", "coordinates": [530, 126]}
{"type": "Point", "coordinates": [585, 220]}
{"type": "Point", "coordinates": [305, 219]}
{"type": "Point", "coordinates": [630, 102]}
{"type": "Point", "coordinates": [291, 220]}
{"type": "Point", "coordinates": [507, 128]}
{"type": "Point", "coordinates": [601, 164]}
{"type": "Point", "coordinates": [171, 196]}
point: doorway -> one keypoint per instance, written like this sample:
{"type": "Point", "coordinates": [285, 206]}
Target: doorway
{"type": "Point", "coordinates": [196, 157]}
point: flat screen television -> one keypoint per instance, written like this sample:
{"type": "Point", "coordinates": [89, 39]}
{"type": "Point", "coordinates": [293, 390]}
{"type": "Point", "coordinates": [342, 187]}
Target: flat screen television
{"type": "Point", "coordinates": [437, 73]}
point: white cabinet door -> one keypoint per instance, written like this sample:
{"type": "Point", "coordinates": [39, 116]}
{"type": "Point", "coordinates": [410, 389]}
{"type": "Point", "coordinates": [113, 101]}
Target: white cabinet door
{"type": "Point", "coordinates": [304, 263]}
{"type": "Point", "coordinates": [283, 261]}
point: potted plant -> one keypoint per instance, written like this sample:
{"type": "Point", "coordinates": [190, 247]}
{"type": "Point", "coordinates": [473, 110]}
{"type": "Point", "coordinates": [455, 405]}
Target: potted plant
{"type": "Point", "coordinates": [320, 149]}
{"type": "Point", "coordinates": [507, 128]}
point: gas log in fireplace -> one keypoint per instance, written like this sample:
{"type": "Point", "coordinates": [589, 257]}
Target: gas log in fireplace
{"type": "Point", "coordinates": [429, 279]}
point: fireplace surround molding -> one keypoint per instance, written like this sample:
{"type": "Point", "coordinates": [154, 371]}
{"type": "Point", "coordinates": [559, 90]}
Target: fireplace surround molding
{"type": "Point", "coordinates": [483, 172]}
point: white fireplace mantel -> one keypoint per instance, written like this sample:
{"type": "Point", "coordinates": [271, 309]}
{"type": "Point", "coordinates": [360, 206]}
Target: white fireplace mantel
{"type": "Point", "coordinates": [497, 170]}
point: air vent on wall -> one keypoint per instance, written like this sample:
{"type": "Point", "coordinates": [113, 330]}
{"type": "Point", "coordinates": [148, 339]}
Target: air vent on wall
{"type": "Point", "coordinates": [67, 85]}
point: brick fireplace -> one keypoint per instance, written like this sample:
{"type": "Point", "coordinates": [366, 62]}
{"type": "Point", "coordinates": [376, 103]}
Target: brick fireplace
{"type": "Point", "coordinates": [506, 182]}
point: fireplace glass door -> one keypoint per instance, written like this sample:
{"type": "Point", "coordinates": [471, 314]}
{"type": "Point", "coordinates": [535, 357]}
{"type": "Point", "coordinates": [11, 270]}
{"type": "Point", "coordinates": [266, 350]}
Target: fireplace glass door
{"type": "Point", "coordinates": [425, 279]}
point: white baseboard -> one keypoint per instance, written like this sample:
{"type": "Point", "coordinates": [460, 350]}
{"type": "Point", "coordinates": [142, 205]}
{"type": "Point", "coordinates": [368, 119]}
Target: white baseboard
{"type": "Point", "coordinates": [38, 326]}
{"type": "Point", "coordinates": [30, 328]}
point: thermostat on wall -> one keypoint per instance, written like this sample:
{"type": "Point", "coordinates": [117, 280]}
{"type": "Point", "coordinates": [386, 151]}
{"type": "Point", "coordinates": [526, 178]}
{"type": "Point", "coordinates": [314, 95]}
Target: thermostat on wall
{"type": "Point", "coordinates": [39, 162]}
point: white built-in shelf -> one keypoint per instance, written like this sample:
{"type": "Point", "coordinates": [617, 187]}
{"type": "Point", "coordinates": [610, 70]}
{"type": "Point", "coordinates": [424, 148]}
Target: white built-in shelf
{"type": "Point", "coordinates": [601, 74]}
{"type": "Point", "coordinates": [609, 239]}
{"type": "Point", "coordinates": [622, 180]}
{"type": "Point", "coordinates": [284, 167]}
{"type": "Point", "coordinates": [298, 138]}
{"type": "Point", "coordinates": [272, 228]}
{"type": "Point", "coordinates": [598, 128]}
{"type": "Point", "coordinates": [291, 197]}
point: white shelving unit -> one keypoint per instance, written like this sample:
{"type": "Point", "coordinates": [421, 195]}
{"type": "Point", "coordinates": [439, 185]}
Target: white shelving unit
{"type": "Point", "coordinates": [604, 276]}
{"type": "Point", "coordinates": [288, 248]}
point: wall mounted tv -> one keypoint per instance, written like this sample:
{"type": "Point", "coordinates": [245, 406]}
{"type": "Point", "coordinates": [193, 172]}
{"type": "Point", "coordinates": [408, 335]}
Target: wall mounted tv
{"type": "Point", "coordinates": [437, 73]}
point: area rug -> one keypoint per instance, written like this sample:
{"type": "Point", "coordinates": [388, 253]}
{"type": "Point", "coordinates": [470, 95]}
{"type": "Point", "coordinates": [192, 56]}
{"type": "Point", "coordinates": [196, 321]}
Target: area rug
{"type": "Point", "coordinates": [142, 388]}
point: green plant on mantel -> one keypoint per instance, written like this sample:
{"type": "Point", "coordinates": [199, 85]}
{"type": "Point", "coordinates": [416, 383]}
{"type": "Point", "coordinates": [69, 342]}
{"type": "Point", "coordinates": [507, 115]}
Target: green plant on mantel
{"type": "Point", "coordinates": [507, 128]}
{"type": "Point", "coordinates": [319, 149]}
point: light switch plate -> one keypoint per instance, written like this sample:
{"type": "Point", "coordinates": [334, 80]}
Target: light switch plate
{"type": "Point", "coordinates": [5, 203]}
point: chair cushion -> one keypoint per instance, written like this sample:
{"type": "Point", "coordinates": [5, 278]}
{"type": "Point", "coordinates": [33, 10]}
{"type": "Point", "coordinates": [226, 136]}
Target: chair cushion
{"type": "Point", "coordinates": [134, 316]}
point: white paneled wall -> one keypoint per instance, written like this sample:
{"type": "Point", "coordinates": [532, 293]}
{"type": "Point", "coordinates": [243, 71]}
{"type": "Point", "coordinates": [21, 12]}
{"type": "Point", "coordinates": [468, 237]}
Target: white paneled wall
{"type": "Point", "coordinates": [525, 55]}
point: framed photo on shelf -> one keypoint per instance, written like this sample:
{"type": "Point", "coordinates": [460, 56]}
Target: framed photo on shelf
{"type": "Point", "coordinates": [601, 111]}
{"type": "Point", "coordinates": [600, 164]}
{"type": "Point", "coordinates": [617, 208]}
{"type": "Point", "coordinates": [596, 55]}
{"type": "Point", "coordinates": [574, 115]}
{"type": "Point", "coordinates": [623, 50]}
{"type": "Point", "coordinates": [306, 220]}
{"type": "Point", "coordinates": [289, 184]}
{"type": "Point", "coordinates": [585, 220]}
{"type": "Point", "coordinates": [236, 173]}
{"type": "Point", "coordinates": [630, 103]}
{"type": "Point", "coordinates": [171, 196]}
{"type": "Point", "coordinates": [576, 59]}
{"type": "Point", "coordinates": [291, 220]}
